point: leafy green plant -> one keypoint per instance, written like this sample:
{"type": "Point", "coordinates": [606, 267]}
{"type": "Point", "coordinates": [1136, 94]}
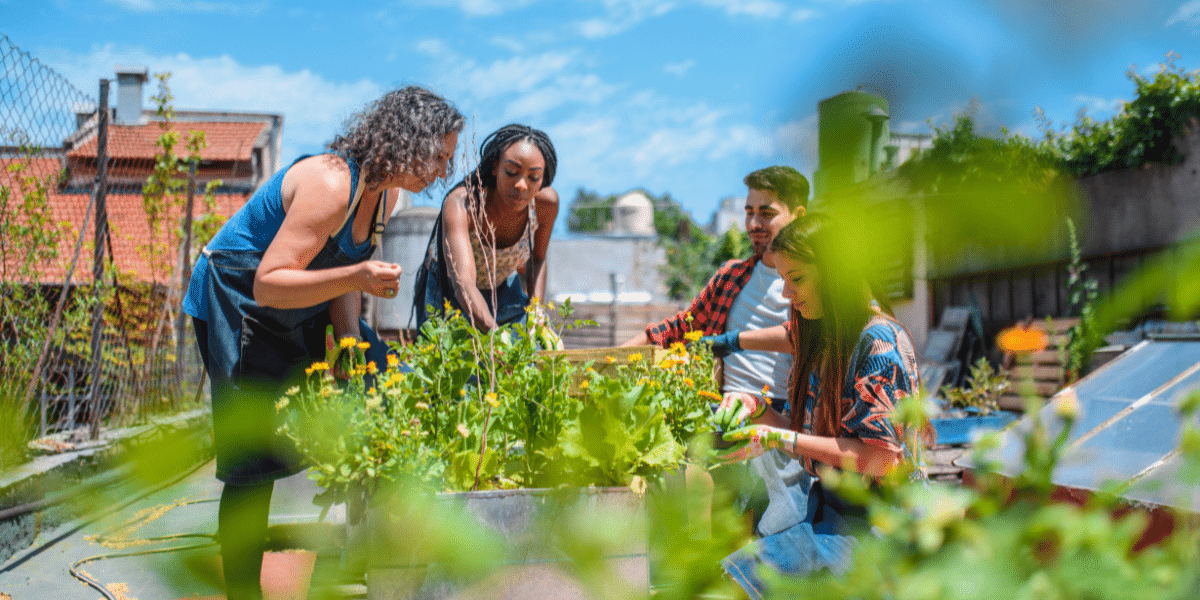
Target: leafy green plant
{"type": "Point", "coordinates": [29, 328]}
{"type": "Point", "coordinates": [983, 390]}
{"type": "Point", "coordinates": [1082, 338]}
{"type": "Point", "coordinates": [1142, 130]}
{"type": "Point", "coordinates": [464, 410]}
{"type": "Point", "coordinates": [1008, 536]}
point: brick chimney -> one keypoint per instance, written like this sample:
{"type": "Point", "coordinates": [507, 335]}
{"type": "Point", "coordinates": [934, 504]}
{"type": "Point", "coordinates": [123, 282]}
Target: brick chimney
{"type": "Point", "coordinates": [129, 93]}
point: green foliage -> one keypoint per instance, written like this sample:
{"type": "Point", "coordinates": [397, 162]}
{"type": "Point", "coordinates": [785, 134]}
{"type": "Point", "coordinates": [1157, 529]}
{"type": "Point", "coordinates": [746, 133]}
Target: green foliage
{"type": "Point", "coordinates": [1142, 130]}
{"type": "Point", "coordinates": [588, 212]}
{"type": "Point", "coordinates": [990, 199]}
{"type": "Point", "coordinates": [165, 189]}
{"type": "Point", "coordinates": [472, 410]}
{"type": "Point", "coordinates": [983, 389]}
{"type": "Point", "coordinates": [1084, 337]}
{"type": "Point", "coordinates": [29, 249]}
{"type": "Point", "coordinates": [1005, 537]}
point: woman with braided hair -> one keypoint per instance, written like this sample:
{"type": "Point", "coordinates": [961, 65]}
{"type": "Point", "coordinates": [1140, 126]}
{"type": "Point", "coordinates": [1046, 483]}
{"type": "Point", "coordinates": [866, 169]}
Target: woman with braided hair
{"type": "Point", "coordinates": [293, 260]}
{"type": "Point", "coordinates": [853, 365]}
{"type": "Point", "coordinates": [495, 222]}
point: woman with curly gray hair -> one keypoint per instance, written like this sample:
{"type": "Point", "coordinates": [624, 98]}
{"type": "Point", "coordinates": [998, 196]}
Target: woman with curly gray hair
{"type": "Point", "coordinates": [294, 259]}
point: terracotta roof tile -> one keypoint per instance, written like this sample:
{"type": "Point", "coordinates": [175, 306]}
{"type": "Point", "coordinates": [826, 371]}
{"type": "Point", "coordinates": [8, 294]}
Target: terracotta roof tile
{"type": "Point", "coordinates": [226, 141]}
{"type": "Point", "coordinates": [130, 231]}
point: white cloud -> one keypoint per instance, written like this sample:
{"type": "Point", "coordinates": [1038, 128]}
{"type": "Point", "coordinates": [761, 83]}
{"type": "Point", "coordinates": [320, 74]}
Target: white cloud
{"type": "Point", "coordinates": [802, 14]}
{"type": "Point", "coordinates": [583, 90]}
{"type": "Point", "coordinates": [797, 138]}
{"type": "Point", "coordinates": [679, 69]}
{"type": "Point", "coordinates": [478, 8]}
{"type": "Point", "coordinates": [1101, 107]}
{"type": "Point", "coordinates": [1188, 12]}
{"type": "Point", "coordinates": [314, 108]}
{"type": "Point", "coordinates": [762, 9]}
{"type": "Point", "coordinates": [620, 15]}
{"type": "Point", "coordinates": [196, 6]}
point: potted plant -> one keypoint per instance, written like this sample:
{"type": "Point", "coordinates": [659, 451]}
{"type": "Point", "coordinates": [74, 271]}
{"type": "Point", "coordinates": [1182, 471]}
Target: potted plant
{"type": "Point", "coordinates": [495, 427]}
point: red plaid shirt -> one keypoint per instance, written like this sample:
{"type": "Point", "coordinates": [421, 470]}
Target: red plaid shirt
{"type": "Point", "coordinates": [710, 309]}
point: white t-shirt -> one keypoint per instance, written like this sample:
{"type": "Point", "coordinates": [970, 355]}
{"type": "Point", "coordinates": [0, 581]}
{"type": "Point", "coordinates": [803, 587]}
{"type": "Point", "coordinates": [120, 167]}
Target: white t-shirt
{"type": "Point", "coordinates": [759, 305]}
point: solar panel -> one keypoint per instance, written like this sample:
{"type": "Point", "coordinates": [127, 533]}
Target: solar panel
{"type": "Point", "coordinates": [1128, 424]}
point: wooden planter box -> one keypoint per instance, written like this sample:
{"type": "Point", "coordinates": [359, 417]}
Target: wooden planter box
{"type": "Point", "coordinates": [530, 521]}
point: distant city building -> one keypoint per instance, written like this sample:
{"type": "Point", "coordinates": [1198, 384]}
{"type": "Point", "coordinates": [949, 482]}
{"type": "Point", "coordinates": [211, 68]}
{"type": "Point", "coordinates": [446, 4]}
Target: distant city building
{"type": "Point", "coordinates": [901, 147]}
{"type": "Point", "coordinates": [730, 214]}
{"type": "Point", "coordinates": [633, 216]}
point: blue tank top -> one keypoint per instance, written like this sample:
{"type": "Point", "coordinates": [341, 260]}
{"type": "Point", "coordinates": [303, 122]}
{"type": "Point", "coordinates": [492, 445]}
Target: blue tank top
{"type": "Point", "coordinates": [255, 225]}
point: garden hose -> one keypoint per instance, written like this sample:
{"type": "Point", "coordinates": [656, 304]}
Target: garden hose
{"type": "Point", "coordinates": [135, 522]}
{"type": "Point", "coordinates": [138, 521]}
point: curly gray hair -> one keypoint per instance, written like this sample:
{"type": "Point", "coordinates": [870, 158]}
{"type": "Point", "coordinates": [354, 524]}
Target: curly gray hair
{"type": "Point", "coordinates": [402, 131]}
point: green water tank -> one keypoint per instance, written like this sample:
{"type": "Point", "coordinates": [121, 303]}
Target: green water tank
{"type": "Point", "coordinates": [852, 132]}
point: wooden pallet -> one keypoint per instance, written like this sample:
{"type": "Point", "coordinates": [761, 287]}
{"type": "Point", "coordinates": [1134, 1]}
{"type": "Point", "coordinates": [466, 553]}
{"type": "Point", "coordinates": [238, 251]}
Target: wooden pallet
{"type": "Point", "coordinates": [1038, 374]}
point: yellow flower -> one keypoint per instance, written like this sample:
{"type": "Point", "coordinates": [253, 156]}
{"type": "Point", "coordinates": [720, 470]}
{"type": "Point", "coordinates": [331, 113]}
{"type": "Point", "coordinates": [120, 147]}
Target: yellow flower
{"type": "Point", "coordinates": [590, 370]}
{"type": "Point", "coordinates": [463, 392]}
{"type": "Point", "coordinates": [372, 391]}
{"type": "Point", "coordinates": [689, 382]}
{"type": "Point", "coordinates": [693, 336]}
{"type": "Point", "coordinates": [687, 317]}
{"type": "Point", "coordinates": [292, 391]}
{"type": "Point", "coordinates": [364, 345]}
{"type": "Point", "coordinates": [638, 485]}
{"type": "Point", "coordinates": [348, 342]}
{"type": "Point", "coordinates": [492, 399]}
{"type": "Point", "coordinates": [583, 385]}
{"type": "Point", "coordinates": [463, 431]}
{"type": "Point", "coordinates": [371, 366]}
{"type": "Point", "coordinates": [636, 356]}
{"type": "Point", "coordinates": [766, 388]}
{"type": "Point", "coordinates": [393, 361]}
{"type": "Point", "coordinates": [405, 433]}
{"type": "Point", "coordinates": [641, 381]}
{"type": "Point", "coordinates": [610, 359]}
{"type": "Point", "coordinates": [708, 394]}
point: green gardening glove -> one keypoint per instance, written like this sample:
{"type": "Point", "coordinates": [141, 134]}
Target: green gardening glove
{"type": "Point", "coordinates": [736, 407]}
{"type": "Point", "coordinates": [752, 441]}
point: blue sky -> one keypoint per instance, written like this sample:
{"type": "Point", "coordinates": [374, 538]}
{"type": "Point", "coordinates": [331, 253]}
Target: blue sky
{"type": "Point", "coordinates": [679, 96]}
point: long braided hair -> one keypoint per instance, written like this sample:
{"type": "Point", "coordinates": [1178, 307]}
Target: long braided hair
{"type": "Point", "coordinates": [493, 147]}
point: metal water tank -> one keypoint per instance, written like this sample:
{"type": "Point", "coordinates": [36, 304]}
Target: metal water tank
{"type": "Point", "coordinates": [633, 215]}
{"type": "Point", "coordinates": [852, 133]}
{"type": "Point", "coordinates": [404, 243]}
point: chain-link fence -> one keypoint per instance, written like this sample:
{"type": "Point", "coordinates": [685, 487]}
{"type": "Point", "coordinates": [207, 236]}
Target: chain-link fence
{"type": "Point", "coordinates": [91, 268]}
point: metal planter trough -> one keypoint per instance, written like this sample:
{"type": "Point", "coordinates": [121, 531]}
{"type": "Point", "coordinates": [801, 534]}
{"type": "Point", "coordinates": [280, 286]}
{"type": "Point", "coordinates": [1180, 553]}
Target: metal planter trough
{"type": "Point", "coordinates": [520, 544]}
{"type": "Point", "coordinates": [965, 428]}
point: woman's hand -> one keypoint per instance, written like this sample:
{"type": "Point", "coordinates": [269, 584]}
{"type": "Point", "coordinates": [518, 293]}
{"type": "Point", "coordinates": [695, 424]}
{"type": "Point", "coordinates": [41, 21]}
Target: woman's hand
{"type": "Point", "coordinates": [379, 278]}
{"type": "Point", "coordinates": [752, 441]}
{"type": "Point", "coordinates": [736, 407]}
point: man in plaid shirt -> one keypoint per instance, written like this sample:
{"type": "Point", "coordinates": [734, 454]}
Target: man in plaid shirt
{"type": "Point", "coordinates": [776, 196]}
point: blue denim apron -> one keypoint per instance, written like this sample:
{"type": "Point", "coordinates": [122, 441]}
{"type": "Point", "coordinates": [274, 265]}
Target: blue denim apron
{"type": "Point", "coordinates": [255, 352]}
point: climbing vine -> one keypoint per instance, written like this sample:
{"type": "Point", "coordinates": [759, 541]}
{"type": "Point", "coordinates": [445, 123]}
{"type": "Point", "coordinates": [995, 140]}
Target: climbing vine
{"type": "Point", "coordinates": [1143, 129]}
